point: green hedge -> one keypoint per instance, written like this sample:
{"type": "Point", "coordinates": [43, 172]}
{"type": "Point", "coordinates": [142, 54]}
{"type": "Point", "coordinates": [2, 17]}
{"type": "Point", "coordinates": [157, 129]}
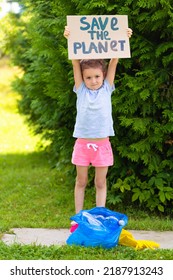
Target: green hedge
{"type": "Point", "coordinates": [142, 103]}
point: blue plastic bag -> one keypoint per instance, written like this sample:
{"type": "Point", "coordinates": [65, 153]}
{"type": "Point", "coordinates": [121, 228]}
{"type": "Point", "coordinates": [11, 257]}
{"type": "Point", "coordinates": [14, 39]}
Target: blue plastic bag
{"type": "Point", "coordinates": [98, 226]}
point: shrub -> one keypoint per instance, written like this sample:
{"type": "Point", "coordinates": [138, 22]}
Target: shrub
{"type": "Point", "coordinates": [142, 102]}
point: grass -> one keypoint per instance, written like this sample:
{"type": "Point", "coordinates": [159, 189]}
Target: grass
{"type": "Point", "coordinates": [35, 195]}
{"type": "Point", "coordinates": [32, 252]}
{"type": "Point", "coordinates": [32, 194]}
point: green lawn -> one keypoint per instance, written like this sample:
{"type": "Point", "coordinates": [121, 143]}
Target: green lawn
{"type": "Point", "coordinates": [32, 194]}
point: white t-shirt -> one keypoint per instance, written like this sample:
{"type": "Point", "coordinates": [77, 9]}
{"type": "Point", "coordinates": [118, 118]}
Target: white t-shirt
{"type": "Point", "coordinates": [94, 112]}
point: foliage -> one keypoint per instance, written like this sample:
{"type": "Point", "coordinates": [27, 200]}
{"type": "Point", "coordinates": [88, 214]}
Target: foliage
{"type": "Point", "coordinates": [142, 103]}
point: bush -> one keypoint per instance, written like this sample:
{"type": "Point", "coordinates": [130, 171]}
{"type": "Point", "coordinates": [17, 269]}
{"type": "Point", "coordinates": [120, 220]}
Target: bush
{"type": "Point", "coordinates": [142, 102]}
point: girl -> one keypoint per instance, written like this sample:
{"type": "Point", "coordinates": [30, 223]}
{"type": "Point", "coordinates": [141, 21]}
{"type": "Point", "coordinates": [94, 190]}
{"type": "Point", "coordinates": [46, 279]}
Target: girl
{"type": "Point", "coordinates": [94, 84]}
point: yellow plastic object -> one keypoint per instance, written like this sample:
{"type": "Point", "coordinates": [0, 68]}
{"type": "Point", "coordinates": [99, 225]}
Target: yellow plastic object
{"type": "Point", "coordinates": [127, 239]}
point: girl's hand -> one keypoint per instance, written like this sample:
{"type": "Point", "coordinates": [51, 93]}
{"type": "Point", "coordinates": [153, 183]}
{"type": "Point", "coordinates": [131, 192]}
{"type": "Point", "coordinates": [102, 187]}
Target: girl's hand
{"type": "Point", "coordinates": [66, 32]}
{"type": "Point", "coordinates": [129, 32]}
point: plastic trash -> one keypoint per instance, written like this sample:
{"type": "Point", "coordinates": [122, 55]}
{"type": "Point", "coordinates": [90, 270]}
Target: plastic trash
{"type": "Point", "coordinates": [127, 239]}
{"type": "Point", "coordinates": [98, 226]}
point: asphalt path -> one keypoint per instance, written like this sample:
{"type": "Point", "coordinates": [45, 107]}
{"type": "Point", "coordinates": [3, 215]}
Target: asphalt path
{"type": "Point", "coordinates": [48, 237]}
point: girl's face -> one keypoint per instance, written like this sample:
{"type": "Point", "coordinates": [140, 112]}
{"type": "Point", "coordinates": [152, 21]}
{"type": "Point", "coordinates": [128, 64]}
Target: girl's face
{"type": "Point", "coordinates": [93, 78]}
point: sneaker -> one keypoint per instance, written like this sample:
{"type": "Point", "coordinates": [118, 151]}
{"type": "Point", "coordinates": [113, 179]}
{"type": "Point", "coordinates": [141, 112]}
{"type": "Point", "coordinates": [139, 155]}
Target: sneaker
{"type": "Point", "coordinates": [73, 227]}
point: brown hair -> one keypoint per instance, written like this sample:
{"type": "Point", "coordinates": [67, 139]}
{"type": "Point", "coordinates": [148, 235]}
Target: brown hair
{"type": "Point", "coordinates": [93, 63]}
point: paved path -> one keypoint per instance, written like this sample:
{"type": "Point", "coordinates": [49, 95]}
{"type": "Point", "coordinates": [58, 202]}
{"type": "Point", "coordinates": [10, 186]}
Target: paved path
{"type": "Point", "coordinates": [49, 237]}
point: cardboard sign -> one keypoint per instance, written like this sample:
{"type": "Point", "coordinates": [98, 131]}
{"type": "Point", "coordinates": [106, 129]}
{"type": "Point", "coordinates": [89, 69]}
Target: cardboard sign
{"type": "Point", "coordinates": [95, 37]}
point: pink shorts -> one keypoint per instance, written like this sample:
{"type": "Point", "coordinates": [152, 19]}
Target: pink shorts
{"type": "Point", "coordinates": [96, 152]}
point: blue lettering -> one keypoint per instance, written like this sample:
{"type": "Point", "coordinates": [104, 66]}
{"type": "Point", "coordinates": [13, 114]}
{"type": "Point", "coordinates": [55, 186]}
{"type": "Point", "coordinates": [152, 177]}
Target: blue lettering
{"type": "Point", "coordinates": [103, 24]}
{"type": "Point", "coordinates": [99, 24]}
{"type": "Point", "coordinates": [99, 35]}
{"type": "Point", "coordinates": [76, 46]}
{"type": "Point", "coordinates": [82, 20]}
{"type": "Point", "coordinates": [82, 46]}
{"type": "Point", "coordinates": [92, 34]}
{"type": "Point", "coordinates": [113, 45]}
{"type": "Point", "coordinates": [114, 22]}
{"type": "Point", "coordinates": [93, 47]}
{"type": "Point", "coordinates": [106, 33]}
{"type": "Point", "coordinates": [94, 24]}
{"type": "Point", "coordinates": [122, 42]}
{"type": "Point", "coordinates": [102, 47]}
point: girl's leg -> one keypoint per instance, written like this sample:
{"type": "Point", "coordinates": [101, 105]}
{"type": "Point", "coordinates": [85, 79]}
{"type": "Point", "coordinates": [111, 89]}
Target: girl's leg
{"type": "Point", "coordinates": [81, 182]}
{"type": "Point", "coordinates": [100, 184]}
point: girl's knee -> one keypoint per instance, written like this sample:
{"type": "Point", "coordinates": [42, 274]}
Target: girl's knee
{"type": "Point", "coordinates": [100, 184]}
{"type": "Point", "coordinates": [81, 182]}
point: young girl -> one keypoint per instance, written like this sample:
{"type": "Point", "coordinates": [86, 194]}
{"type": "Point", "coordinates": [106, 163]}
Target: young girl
{"type": "Point", "coordinates": [94, 84]}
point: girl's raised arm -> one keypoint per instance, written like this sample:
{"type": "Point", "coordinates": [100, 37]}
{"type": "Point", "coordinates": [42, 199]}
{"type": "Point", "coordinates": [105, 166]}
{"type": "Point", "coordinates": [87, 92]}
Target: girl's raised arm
{"type": "Point", "coordinates": [113, 64]}
{"type": "Point", "coordinates": [76, 64]}
{"type": "Point", "coordinates": [77, 73]}
{"type": "Point", "coordinates": [111, 70]}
